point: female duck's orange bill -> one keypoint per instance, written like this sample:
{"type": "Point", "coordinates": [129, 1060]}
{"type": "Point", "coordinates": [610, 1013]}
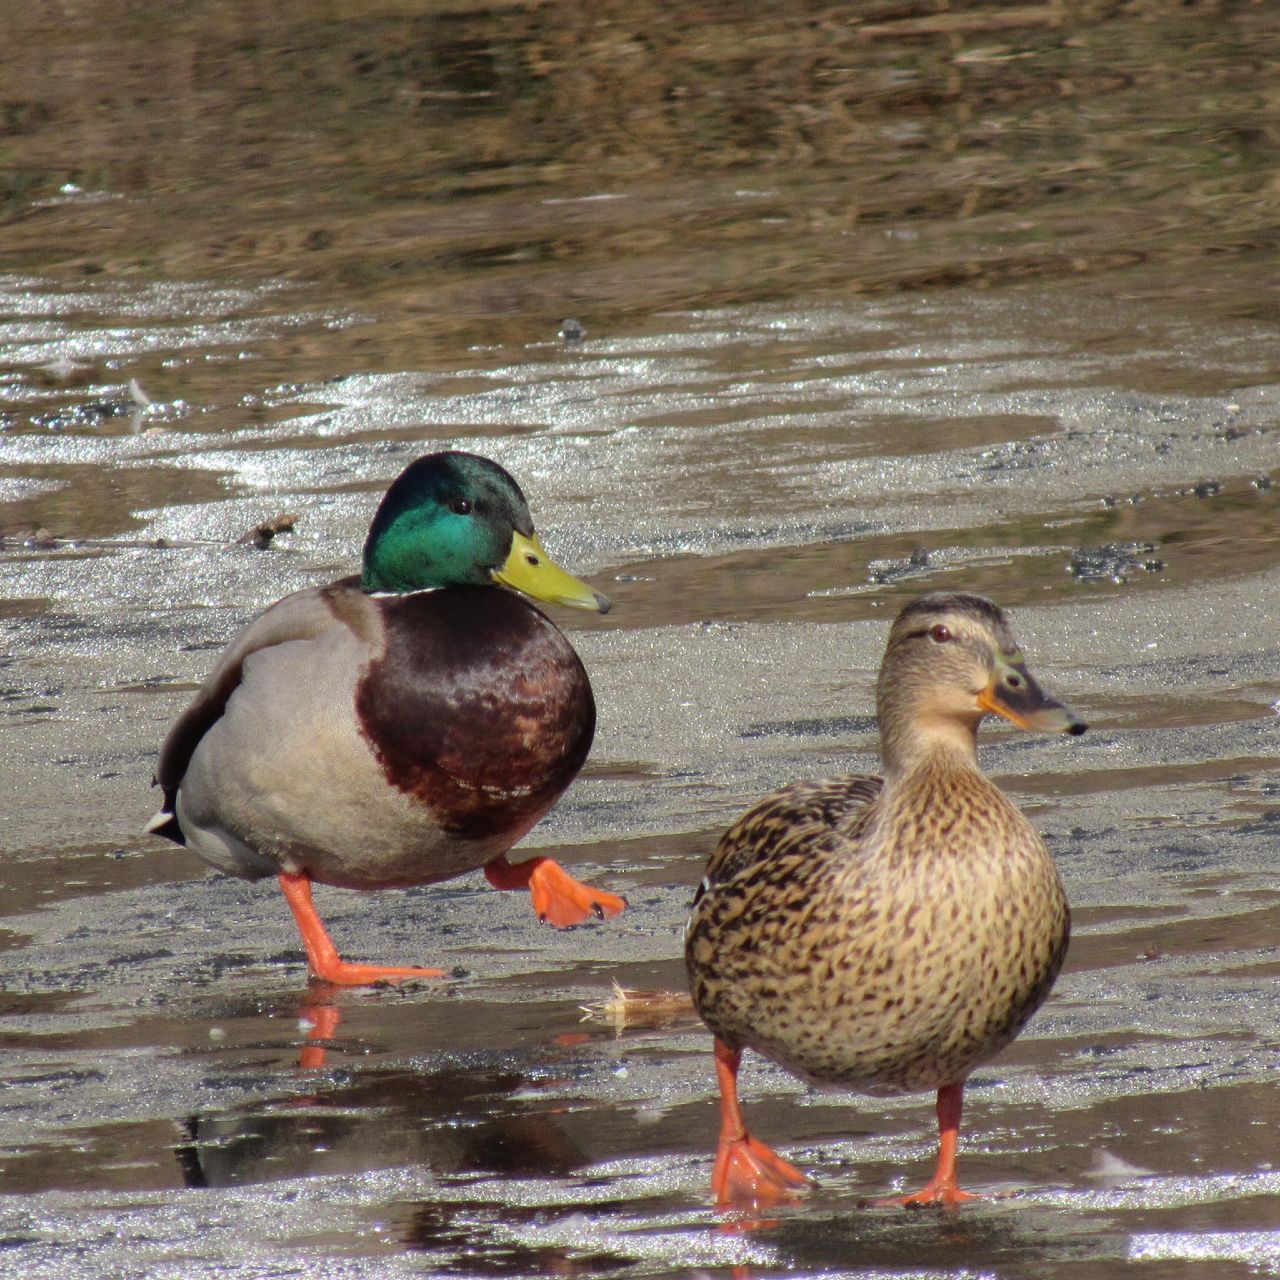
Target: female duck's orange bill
{"type": "Point", "coordinates": [1014, 694]}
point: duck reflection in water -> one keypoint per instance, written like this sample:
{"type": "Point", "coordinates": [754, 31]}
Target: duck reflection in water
{"type": "Point", "coordinates": [456, 1119]}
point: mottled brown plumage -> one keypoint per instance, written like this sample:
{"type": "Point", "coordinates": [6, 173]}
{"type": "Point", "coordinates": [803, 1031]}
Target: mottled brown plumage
{"type": "Point", "coordinates": [886, 935]}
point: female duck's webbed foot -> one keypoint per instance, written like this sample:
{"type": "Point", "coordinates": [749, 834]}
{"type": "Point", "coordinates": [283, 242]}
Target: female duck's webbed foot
{"type": "Point", "coordinates": [322, 955]}
{"type": "Point", "coordinates": [557, 897]}
{"type": "Point", "coordinates": [746, 1172]}
{"type": "Point", "coordinates": [942, 1188]}
{"type": "Point", "coordinates": [933, 1192]}
{"type": "Point", "coordinates": [749, 1173]}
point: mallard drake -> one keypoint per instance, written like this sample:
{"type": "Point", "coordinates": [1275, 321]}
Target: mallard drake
{"type": "Point", "coordinates": [886, 935]}
{"type": "Point", "coordinates": [399, 727]}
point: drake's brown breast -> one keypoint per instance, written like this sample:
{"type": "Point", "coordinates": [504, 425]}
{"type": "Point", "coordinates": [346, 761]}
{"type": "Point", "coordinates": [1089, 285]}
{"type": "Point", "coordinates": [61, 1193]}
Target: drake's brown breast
{"type": "Point", "coordinates": [477, 708]}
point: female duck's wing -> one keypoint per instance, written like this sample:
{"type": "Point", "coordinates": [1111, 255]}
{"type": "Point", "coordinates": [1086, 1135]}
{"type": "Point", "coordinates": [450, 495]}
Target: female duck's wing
{"type": "Point", "coordinates": [787, 819]}
{"type": "Point", "coordinates": [304, 615]}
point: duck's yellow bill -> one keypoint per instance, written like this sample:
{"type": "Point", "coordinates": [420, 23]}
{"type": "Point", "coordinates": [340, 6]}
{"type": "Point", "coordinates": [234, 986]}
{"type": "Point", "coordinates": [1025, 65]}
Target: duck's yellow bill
{"type": "Point", "coordinates": [529, 569]}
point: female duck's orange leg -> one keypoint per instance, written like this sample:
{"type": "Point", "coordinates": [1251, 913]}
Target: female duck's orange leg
{"type": "Point", "coordinates": [747, 1172]}
{"type": "Point", "coordinates": [322, 955]}
{"type": "Point", "coordinates": [557, 896]}
{"type": "Point", "coordinates": [942, 1188]}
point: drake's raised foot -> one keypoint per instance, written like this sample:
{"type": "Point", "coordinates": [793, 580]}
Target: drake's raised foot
{"type": "Point", "coordinates": [749, 1173]}
{"type": "Point", "coordinates": [561, 900]}
{"type": "Point", "coordinates": [558, 898]}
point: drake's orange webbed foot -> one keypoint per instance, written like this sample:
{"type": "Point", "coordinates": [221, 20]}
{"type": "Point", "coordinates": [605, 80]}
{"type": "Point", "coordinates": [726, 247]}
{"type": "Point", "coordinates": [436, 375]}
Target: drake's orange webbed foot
{"type": "Point", "coordinates": [749, 1173]}
{"type": "Point", "coordinates": [322, 956]}
{"type": "Point", "coordinates": [344, 974]}
{"type": "Point", "coordinates": [558, 898]}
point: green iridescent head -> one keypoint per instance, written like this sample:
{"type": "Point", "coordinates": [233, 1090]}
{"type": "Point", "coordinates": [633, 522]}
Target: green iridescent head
{"type": "Point", "coordinates": [456, 519]}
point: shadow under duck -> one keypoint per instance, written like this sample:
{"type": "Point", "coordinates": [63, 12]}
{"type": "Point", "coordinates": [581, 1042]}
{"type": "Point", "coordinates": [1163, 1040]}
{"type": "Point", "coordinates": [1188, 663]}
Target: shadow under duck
{"type": "Point", "coordinates": [400, 727]}
{"type": "Point", "coordinates": [886, 935]}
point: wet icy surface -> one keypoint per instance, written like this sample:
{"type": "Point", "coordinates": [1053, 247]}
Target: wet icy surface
{"type": "Point", "coordinates": [736, 489]}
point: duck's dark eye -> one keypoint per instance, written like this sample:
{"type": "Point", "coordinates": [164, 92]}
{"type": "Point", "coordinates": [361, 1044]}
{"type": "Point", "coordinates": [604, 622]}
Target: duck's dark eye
{"type": "Point", "coordinates": [460, 506]}
{"type": "Point", "coordinates": [940, 633]}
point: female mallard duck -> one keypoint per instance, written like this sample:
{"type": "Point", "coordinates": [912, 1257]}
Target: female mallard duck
{"type": "Point", "coordinates": [400, 727]}
{"type": "Point", "coordinates": [886, 935]}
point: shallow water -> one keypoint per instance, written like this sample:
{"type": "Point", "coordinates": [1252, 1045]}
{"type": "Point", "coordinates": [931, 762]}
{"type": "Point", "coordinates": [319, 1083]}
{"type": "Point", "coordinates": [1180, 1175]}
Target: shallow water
{"type": "Point", "coordinates": [982, 298]}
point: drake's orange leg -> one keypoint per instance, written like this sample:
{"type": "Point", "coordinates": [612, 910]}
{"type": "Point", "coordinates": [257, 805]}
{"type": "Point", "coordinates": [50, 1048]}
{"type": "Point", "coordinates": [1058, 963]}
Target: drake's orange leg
{"type": "Point", "coordinates": [747, 1172]}
{"type": "Point", "coordinates": [557, 896]}
{"type": "Point", "coordinates": [942, 1188]}
{"type": "Point", "coordinates": [322, 955]}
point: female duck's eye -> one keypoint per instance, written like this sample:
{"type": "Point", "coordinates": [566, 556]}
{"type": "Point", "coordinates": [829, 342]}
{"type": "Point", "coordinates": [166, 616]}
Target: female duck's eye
{"type": "Point", "coordinates": [940, 633]}
{"type": "Point", "coordinates": [460, 506]}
